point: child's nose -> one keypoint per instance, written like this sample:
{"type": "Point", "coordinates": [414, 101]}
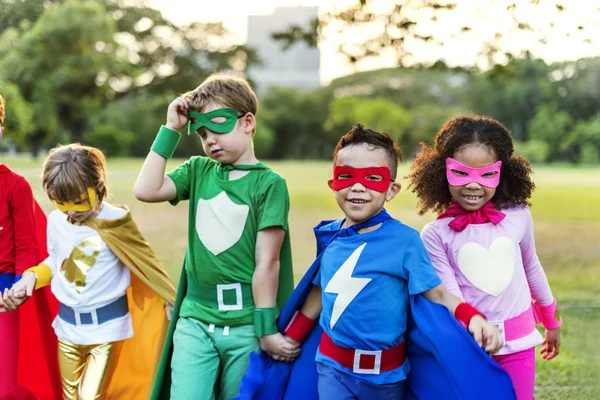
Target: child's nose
{"type": "Point", "coordinates": [211, 138]}
{"type": "Point", "coordinates": [70, 213]}
{"type": "Point", "coordinates": [358, 187]}
{"type": "Point", "coordinates": [473, 185]}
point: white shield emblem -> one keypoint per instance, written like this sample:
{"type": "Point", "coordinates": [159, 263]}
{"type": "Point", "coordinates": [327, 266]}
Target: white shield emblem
{"type": "Point", "coordinates": [489, 270]}
{"type": "Point", "coordinates": [220, 222]}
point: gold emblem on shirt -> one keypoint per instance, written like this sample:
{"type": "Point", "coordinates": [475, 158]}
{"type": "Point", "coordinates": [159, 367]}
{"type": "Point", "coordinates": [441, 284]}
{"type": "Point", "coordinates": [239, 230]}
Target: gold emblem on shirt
{"type": "Point", "coordinates": [82, 258]}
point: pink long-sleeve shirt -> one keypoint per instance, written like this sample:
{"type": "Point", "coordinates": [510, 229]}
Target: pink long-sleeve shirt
{"type": "Point", "coordinates": [493, 267]}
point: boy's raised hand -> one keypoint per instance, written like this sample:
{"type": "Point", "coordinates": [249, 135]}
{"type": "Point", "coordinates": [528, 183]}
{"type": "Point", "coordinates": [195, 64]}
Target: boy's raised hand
{"type": "Point", "coordinates": [279, 348]}
{"type": "Point", "coordinates": [551, 345]}
{"type": "Point", "coordinates": [487, 336]}
{"type": "Point", "coordinates": [177, 114]}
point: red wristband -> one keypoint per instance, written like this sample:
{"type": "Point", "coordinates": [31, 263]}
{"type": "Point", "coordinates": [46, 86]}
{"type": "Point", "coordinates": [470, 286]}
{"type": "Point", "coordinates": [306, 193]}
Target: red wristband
{"type": "Point", "coordinates": [299, 327]}
{"type": "Point", "coordinates": [465, 312]}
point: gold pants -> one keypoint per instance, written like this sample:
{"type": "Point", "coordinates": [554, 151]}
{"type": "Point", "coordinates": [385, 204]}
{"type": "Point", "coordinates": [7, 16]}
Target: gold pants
{"type": "Point", "coordinates": [86, 370]}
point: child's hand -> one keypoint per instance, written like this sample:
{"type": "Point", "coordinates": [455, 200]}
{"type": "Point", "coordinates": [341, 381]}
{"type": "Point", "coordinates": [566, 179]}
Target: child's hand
{"type": "Point", "coordinates": [168, 310]}
{"type": "Point", "coordinates": [10, 300]}
{"type": "Point", "coordinates": [487, 336]}
{"type": "Point", "coordinates": [19, 293]}
{"type": "Point", "coordinates": [177, 114]}
{"type": "Point", "coordinates": [26, 284]}
{"type": "Point", "coordinates": [291, 341]}
{"type": "Point", "coordinates": [279, 348]}
{"type": "Point", "coordinates": [551, 346]}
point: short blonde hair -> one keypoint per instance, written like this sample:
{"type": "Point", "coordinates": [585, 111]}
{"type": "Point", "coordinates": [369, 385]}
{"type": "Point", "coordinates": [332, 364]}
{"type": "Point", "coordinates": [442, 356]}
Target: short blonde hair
{"type": "Point", "coordinates": [69, 170]}
{"type": "Point", "coordinates": [227, 91]}
{"type": "Point", "coordinates": [1, 110]}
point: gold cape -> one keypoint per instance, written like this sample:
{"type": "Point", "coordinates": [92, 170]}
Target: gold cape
{"type": "Point", "coordinates": [150, 288]}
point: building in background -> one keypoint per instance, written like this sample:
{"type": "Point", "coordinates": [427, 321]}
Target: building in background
{"type": "Point", "coordinates": [298, 66]}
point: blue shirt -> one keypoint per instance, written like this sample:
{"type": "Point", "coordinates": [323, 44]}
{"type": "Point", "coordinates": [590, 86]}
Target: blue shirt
{"type": "Point", "coordinates": [366, 280]}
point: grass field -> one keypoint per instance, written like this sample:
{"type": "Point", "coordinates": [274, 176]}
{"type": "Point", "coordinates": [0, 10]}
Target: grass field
{"type": "Point", "coordinates": [567, 228]}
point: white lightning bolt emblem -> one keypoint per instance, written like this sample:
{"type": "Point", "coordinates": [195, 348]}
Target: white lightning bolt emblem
{"type": "Point", "coordinates": [345, 286]}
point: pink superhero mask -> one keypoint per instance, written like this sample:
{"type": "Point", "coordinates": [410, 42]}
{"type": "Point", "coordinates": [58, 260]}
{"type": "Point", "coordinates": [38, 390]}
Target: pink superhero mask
{"type": "Point", "coordinates": [375, 178]}
{"type": "Point", "coordinates": [459, 174]}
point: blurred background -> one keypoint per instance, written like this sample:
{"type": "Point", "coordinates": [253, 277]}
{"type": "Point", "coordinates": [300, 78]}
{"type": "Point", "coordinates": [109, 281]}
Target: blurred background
{"type": "Point", "coordinates": [103, 73]}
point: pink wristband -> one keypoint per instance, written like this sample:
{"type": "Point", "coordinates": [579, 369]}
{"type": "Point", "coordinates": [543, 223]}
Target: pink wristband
{"type": "Point", "coordinates": [547, 315]}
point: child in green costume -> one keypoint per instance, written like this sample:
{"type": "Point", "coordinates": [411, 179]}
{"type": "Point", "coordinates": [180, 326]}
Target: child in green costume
{"type": "Point", "coordinates": [237, 270]}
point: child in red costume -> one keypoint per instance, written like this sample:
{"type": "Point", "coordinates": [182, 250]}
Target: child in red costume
{"type": "Point", "coordinates": [22, 245]}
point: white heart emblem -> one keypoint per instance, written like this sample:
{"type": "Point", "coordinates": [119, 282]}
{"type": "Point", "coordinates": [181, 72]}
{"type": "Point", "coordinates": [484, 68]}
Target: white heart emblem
{"type": "Point", "coordinates": [489, 270]}
{"type": "Point", "coordinates": [220, 222]}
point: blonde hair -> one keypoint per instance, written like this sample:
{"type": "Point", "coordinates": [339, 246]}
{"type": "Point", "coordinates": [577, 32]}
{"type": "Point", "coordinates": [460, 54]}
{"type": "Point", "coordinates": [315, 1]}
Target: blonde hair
{"type": "Point", "coordinates": [69, 170]}
{"type": "Point", "coordinates": [1, 110]}
{"type": "Point", "coordinates": [227, 91]}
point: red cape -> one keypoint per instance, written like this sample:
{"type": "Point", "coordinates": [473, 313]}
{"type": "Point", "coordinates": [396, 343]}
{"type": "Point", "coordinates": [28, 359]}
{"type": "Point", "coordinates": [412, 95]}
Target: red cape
{"type": "Point", "coordinates": [38, 347]}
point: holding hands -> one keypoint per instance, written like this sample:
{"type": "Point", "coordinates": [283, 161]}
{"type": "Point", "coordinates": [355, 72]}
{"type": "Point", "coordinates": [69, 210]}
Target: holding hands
{"type": "Point", "coordinates": [281, 348]}
{"type": "Point", "coordinates": [12, 299]}
{"type": "Point", "coordinates": [487, 336]}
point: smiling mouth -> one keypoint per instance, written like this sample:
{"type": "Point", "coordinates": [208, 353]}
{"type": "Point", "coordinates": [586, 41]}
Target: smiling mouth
{"type": "Point", "coordinates": [357, 201]}
{"type": "Point", "coordinates": [472, 198]}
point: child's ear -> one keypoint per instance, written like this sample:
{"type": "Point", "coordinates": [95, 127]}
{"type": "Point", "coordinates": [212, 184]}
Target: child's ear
{"type": "Point", "coordinates": [250, 123]}
{"type": "Point", "coordinates": [330, 184]}
{"type": "Point", "coordinates": [393, 190]}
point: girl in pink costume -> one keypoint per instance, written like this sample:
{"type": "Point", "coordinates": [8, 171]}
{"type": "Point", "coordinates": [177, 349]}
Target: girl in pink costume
{"type": "Point", "coordinates": [482, 243]}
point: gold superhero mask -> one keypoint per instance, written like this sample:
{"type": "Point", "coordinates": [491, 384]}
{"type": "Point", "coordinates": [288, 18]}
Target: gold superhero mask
{"type": "Point", "coordinates": [79, 205]}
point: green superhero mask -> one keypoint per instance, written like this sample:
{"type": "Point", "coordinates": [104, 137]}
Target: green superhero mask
{"type": "Point", "coordinates": [206, 119]}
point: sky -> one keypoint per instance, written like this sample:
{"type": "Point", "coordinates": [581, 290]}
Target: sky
{"type": "Point", "coordinates": [490, 16]}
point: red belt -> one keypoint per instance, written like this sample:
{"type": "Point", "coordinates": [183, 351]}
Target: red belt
{"type": "Point", "coordinates": [364, 361]}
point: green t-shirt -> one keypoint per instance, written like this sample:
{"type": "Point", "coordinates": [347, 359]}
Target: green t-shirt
{"type": "Point", "coordinates": [224, 219]}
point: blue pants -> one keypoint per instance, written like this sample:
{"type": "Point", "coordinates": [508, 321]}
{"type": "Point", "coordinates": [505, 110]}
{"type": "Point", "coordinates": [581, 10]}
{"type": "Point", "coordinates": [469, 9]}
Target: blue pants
{"type": "Point", "coordinates": [337, 385]}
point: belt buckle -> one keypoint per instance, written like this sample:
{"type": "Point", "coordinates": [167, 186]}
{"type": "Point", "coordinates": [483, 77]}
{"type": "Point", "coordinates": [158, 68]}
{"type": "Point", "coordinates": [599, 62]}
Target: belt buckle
{"type": "Point", "coordinates": [500, 326]}
{"type": "Point", "coordinates": [90, 315]}
{"type": "Point", "coordinates": [371, 371]}
{"type": "Point", "coordinates": [239, 305]}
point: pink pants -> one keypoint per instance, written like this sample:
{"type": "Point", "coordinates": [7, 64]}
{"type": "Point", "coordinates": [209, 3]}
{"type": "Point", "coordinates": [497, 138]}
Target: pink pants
{"type": "Point", "coordinates": [521, 369]}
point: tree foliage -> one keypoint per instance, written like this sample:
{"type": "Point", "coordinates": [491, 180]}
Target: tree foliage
{"type": "Point", "coordinates": [72, 58]}
{"type": "Point", "coordinates": [371, 27]}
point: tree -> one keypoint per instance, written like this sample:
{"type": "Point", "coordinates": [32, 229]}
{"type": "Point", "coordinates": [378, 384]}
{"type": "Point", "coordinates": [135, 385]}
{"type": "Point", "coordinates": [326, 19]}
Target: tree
{"type": "Point", "coordinates": [15, 12]}
{"type": "Point", "coordinates": [551, 126]}
{"type": "Point", "coordinates": [583, 141]}
{"type": "Point", "coordinates": [295, 119]}
{"type": "Point", "coordinates": [577, 85]}
{"type": "Point", "coordinates": [378, 114]}
{"type": "Point", "coordinates": [404, 25]}
{"type": "Point", "coordinates": [57, 62]}
{"type": "Point", "coordinates": [18, 118]}
{"type": "Point", "coordinates": [71, 58]}
{"type": "Point", "coordinates": [512, 93]}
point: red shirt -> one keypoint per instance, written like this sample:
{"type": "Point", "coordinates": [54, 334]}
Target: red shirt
{"type": "Point", "coordinates": [18, 244]}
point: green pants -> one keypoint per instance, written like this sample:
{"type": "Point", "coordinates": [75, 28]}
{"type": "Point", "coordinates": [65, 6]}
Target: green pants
{"type": "Point", "coordinates": [209, 362]}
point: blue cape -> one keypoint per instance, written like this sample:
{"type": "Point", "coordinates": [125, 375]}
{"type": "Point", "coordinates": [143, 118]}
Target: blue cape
{"type": "Point", "coordinates": [446, 363]}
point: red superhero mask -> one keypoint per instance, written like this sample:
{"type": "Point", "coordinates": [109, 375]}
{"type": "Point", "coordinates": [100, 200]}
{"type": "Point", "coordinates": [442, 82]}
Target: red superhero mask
{"type": "Point", "coordinates": [375, 178]}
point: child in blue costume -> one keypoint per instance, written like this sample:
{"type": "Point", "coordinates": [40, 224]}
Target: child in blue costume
{"type": "Point", "coordinates": [364, 282]}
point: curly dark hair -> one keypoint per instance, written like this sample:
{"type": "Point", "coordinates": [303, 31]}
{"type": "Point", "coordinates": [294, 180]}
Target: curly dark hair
{"type": "Point", "coordinates": [376, 140]}
{"type": "Point", "coordinates": [427, 175]}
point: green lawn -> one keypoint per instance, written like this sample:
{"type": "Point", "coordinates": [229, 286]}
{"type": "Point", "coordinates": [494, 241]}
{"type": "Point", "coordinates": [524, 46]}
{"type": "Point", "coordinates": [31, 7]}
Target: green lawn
{"type": "Point", "coordinates": [567, 227]}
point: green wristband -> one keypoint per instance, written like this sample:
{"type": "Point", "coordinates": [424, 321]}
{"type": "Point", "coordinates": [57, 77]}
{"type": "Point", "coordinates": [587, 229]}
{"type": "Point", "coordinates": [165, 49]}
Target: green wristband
{"type": "Point", "coordinates": [264, 321]}
{"type": "Point", "coordinates": [166, 141]}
